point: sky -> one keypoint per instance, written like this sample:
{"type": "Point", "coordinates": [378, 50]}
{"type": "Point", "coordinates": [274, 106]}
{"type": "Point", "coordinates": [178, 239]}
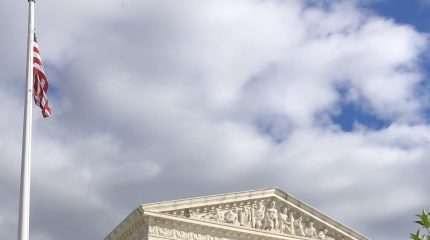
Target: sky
{"type": "Point", "coordinates": [157, 100]}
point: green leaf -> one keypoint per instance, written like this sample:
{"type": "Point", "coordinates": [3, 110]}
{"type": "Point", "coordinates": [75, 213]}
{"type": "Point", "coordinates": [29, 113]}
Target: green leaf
{"type": "Point", "coordinates": [424, 222]}
{"type": "Point", "coordinates": [416, 236]}
{"type": "Point", "coordinates": [426, 219]}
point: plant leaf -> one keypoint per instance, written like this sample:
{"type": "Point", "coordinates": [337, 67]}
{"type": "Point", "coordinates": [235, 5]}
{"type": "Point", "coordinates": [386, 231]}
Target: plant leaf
{"type": "Point", "coordinates": [425, 219]}
{"type": "Point", "coordinates": [416, 236]}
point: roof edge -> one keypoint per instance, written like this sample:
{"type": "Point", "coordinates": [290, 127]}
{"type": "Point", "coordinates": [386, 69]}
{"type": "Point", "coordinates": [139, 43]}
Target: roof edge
{"type": "Point", "coordinates": [194, 201]}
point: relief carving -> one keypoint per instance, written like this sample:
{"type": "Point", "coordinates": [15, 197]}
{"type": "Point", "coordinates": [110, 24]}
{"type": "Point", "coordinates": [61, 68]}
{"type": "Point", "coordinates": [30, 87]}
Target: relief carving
{"type": "Point", "coordinates": [258, 215]}
{"type": "Point", "coordinates": [181, 234]}
{"type": "Point", "coordinates": [193, 214]}
{"type": "Point", "coordinates": [272, 217]}
{"type": "Point", "coordinates": [285, 223]}
{"type": "Point", "coordinates": [231, 216]}
{"type": "Point", "coordinates": [298, 227]}
{"type": "Point", "coordinates": [245, 217]}
{"type": "Point", "coordinates": [323, 235]}
{"type": "Point", "coordinates": [310, 231]}
{"type": "Point", "coordinates": [217, 216]}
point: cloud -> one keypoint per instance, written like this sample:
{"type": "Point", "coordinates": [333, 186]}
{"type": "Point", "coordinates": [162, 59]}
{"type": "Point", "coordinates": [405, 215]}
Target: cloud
{"type": "Point", "coordinates": [155, 100]}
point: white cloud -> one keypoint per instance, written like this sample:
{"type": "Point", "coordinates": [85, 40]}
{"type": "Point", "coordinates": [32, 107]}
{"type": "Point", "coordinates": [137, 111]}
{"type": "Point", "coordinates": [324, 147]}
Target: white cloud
{"type": "Point", "coordinates": [229, 95]}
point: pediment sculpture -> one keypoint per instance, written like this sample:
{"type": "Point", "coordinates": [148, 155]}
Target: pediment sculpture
{"type": "Point", "coordinates": [263, 214]}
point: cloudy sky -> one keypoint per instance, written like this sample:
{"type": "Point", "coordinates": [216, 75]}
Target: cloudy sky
{"type": "Point", "coordinates": [156, 100]}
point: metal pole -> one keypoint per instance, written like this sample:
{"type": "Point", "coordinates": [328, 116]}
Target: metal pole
{"type": "Point", "coordinates": [24, 203]}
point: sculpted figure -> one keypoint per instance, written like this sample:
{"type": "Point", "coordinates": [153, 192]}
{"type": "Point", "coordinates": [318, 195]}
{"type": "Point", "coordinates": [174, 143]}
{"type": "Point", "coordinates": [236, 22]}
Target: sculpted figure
{"type": "Point", "coordinates": [310, 231]}
{"type": "Point", "coordinates": [217, 216]}
{"type": "Point", "coordinates": [284, 223]}
{"type": "Point", "coordinates": [193, 214]}
{"type": "Point", "coordinates": [245, 217]}
{"type": "Point", "coordinates": [323, 235]}
{"type": "Point", "coordinates": [272, 217]}
{"type": "Point", "coordinates": [258, 216]}
{"type": "Point", "coordinates": [298, 227]}
{"type": "Point", "coordinates": [231, 216]}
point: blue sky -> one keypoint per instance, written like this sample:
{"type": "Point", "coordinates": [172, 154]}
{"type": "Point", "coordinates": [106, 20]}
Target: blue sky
{"type": "Point", "coordinates": [327, 101]}
{"type": "Point", "coordinates": [352, 114]}
{"type": "Point", "coordinates": [413, 13]}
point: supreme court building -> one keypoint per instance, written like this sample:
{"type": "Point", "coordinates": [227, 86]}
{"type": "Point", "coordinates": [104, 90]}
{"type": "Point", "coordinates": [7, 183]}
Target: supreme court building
{"type": "Point", "coordinates": [267, 214]}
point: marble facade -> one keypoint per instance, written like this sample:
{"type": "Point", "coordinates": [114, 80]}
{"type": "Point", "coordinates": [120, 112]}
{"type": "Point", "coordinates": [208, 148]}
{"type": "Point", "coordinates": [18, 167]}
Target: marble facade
{"type": "Point", "coordinates": [259, 214]}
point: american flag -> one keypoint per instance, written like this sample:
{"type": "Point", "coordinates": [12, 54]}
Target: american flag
{"type": "Point", "coordinates": [40, 83]}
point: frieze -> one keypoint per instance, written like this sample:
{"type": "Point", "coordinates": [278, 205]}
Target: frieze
{"type": "Point", "coordinates": [266, 214]}
{"type": "Point", "coordinates": [174, 233]}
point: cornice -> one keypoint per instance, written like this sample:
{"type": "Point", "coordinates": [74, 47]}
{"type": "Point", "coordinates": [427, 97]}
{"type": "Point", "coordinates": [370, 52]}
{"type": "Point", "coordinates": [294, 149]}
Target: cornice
{"type": "Point", "coordinates": [202, 201]}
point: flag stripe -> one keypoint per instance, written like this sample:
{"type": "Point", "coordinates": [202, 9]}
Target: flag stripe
{"type": "Point", "coordinates": [37, 60]}
{"type": "Point", "coordinates": [40, 82]}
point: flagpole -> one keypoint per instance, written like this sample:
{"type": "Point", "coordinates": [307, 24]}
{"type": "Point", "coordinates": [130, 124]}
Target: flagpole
{"type": "Point", "coordinates": [24, 203]}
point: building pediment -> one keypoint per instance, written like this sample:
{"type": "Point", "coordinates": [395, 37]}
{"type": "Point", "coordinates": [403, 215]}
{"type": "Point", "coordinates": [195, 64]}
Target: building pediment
{"type": "Point", "coordinates": [259, 214]}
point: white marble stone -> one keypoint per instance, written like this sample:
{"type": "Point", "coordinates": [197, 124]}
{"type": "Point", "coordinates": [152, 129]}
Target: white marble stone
{"type": "Point", "coordinates": [260, 214]}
